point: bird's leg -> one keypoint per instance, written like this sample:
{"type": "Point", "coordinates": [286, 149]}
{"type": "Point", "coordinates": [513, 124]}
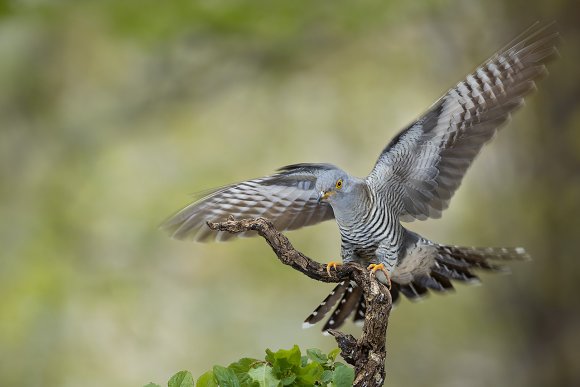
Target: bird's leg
{"type": "Point", "coordinates": [332, 265]}
{"type": "Point", "coordinates": [373, 267]}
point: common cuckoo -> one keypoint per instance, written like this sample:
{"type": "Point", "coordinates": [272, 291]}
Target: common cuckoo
{"type": "Point", "coordinates": [414, 178]}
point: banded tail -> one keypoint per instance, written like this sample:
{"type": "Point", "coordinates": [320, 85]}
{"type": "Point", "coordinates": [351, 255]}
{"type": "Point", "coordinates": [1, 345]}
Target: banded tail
{"type": "Point", "coordinates": [451, 263]}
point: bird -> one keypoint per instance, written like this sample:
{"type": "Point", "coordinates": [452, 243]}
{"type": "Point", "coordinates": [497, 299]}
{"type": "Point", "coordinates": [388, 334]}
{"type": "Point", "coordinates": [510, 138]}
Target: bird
{"type": "Point", "coordinates": [414, 178]}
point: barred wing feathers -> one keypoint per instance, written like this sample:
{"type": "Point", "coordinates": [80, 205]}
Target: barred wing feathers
{"type": "Point", "coordinates": [423, 165]}
{"type": "Point", "coordinates": [287, 198]}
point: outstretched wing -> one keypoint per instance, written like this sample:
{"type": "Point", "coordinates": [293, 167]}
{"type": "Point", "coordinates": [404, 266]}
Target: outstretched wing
{"type": "Point", "coordinates": [287, 198]}
{"type": "Point", "coordinates": [423, 165]}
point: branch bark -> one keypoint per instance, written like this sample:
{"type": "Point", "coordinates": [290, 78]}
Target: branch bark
{"type": "Point", "coordinates": [368, 353]}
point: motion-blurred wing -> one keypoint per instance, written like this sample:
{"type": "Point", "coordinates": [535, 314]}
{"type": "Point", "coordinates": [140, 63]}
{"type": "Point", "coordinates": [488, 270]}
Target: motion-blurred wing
{"type": "Point", "coordinates": [288, 199]}
{"type": "Point", "coordinates": [423, 165]}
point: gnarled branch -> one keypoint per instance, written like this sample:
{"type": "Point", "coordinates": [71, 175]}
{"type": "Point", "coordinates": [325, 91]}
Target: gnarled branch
{"type": "Point", "coordinates": [368, 353]}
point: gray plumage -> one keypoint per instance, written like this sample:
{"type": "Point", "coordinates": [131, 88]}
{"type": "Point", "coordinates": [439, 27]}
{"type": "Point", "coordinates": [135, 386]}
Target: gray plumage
{"type": "Point", "coordinates": [414, 178]}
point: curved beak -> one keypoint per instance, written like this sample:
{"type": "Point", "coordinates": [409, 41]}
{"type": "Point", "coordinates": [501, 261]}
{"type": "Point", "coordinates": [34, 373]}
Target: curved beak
{"type": "Point", "coordinates": [323, 195]}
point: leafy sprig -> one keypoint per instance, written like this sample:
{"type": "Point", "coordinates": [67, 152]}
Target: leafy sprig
{"type": "Point", "coordinates": [285, 367]}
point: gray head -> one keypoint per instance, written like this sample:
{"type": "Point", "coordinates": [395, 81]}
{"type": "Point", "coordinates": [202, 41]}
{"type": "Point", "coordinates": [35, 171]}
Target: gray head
{"type": "Point", "coordinates": [333, 185]}
{"type": "Point", "coordinates": [336, 187]}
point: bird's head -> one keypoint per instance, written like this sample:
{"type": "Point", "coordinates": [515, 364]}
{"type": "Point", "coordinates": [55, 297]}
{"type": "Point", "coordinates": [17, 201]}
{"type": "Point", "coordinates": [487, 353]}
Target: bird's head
{"type": "Point", "coordinates": [333, 185]}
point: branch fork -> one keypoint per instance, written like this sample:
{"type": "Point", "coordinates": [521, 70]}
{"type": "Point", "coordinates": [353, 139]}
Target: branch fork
{"type": "Point", "coordinates": [368, 353]}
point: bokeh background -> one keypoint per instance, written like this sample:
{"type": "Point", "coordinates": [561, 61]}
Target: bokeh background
{"type": "Point", "coordinates": [112, 112]}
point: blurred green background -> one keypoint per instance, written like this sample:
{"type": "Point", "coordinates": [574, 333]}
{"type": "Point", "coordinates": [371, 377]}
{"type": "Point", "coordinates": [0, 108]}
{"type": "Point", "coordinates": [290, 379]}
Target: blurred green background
{"type": "Point", "coordinates": [112, 112]}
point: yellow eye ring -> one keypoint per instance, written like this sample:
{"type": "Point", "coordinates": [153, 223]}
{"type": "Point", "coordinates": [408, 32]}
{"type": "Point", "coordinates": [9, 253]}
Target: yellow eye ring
{"type": "Point", "coordinates": [339, 184]}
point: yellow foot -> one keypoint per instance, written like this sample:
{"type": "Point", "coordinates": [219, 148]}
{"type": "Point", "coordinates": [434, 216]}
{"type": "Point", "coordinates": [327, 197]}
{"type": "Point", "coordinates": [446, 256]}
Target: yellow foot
{"type": "Point", "coordinates": [332, 265]}
{"type": "Point", "coordinates": [373, 267]}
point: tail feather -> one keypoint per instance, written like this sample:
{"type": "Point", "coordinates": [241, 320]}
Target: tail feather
{"type": "Point", "coordinates": [413, 290]}
{"type": "Point", "coordinates": [477, 257]}
{"type": "Point", "coordinates": [451, 263]}
{"type": "Point", "coordinates": [431, 283]}
{"type": "Point", "coordinates": [351, 300]}
{"type": "Point", "coordinates": [453, 272]}
{"type": "Point", "coordinates": [326, 305]}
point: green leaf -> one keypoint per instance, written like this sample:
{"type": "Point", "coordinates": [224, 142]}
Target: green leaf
{"type": "Point", "coordinates": [316, 355]}
{"type": "Point", "coordinates": [270, 356]}
{"type": "Point", "coordinates": [283, 361]}
{"type": "Point", "coordinates": [241, 368]}
{"type": "Point", "coordinates": [225, 377]}
{"type": "Point", "coordinates": [181, 379]}
{"type": "Point", "coordinates": [292, 356]}
{"type": "Point", "coordinates": [333, 354]}
{"type": "Point", "coordinates": [152, 385]}
{"type": "Point", "coordinates": [310, 374]}
{"type": "Point", "coordinates": [326, 377]}
{"type": "Point", "coordinates": [264, 376]}
{"type": "Point", "coordinates": [342, 376]}
{"type": "Point", "coordinates": [244, 364]}
{"type": "Point", "coordinates": [289, 379]}
{"type": "Point", "coordinates": [207, 380]}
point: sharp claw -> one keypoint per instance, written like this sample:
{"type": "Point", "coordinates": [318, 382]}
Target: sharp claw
{"type": "Point", "coordinates": [331, 265]}
{"type": "Point", "coordinates": [373, 267]}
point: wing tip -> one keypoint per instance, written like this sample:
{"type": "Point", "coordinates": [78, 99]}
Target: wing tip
{"type": "Point", "coordinates": [305, 166]}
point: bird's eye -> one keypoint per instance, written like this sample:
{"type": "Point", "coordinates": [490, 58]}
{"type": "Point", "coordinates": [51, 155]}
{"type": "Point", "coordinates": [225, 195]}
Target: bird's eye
{"type": "Point", "coordinates": [339, 184]}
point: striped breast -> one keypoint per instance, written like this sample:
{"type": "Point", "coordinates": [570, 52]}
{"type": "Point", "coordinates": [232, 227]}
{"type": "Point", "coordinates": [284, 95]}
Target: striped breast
{"type": "Point", "coordinates": [371, 223]}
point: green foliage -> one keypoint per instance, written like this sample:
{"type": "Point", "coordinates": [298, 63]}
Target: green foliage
{"type": "Point", "coordinates": [285, 367]}
{"type": "Point", "coordinates": [263, 376]}
{"type": "Point", "coordinates": [207, 380]}
{"type": "Point", "coordinates": [181, 379]}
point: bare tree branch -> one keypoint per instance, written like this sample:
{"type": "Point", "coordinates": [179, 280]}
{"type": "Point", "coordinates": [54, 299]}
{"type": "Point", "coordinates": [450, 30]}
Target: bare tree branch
{"type": "Point", "coordinates": [368, 353]}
